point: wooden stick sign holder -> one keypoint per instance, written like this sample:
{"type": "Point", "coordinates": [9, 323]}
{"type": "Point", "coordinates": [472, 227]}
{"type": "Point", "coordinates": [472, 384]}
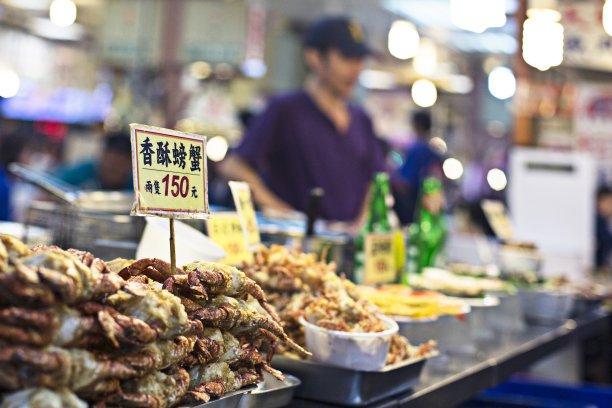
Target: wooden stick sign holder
{"type": "Point", "coordinates": [170, 176]}
{"type": "Point", "coordinates": [172, 247]}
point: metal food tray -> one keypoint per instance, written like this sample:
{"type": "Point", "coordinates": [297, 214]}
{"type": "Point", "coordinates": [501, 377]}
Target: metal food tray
{"type": "Point", "coordinates": [343, 386]}
{"type": "Point", "coordinates": [229, 400]}
{"type": "Point", "coordinates": [270, 393]}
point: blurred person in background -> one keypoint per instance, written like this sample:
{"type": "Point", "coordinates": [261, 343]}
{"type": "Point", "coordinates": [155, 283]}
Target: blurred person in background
{"type": "Point", "coordinates": [603, 236]}
{"type": "Point", "coordinates": [420, 162]}
{"type": "Point", "coordinates": [112, 171]}
{"type": "Point", "coordinates": [15, 147]}
{"type": "Point", "coordinates": [315, 137]}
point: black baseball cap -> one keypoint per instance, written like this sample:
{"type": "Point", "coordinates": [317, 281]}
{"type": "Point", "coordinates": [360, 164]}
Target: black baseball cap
{"type": "Point", "coordinates": [339, 32]}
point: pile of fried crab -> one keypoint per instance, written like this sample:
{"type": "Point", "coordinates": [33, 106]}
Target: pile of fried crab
{"type": "Point", "coordinates": [299, 284]}
{"type": "Point", "coordinates": [76, 331]}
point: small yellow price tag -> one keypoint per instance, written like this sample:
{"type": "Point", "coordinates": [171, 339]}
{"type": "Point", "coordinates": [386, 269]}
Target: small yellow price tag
{"type": "Point", "coordinates": [169, 173]}
{"type": "Point", "coordinates": [244, 204]}
{"type": "Point", "coordinates": [225, 229]}
{"type": "Point", "coordinates": [379, 254]}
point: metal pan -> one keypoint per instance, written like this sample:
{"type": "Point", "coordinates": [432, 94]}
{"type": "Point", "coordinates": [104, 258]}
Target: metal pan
{"type": "Point", "coordinates": [229, 400]}
{"type": "Point", "coordinates": [342, 386]}
{"type": "Point", "coordinates": [271, 393]}
{"type": "Point", "coordinates": [115, 202]}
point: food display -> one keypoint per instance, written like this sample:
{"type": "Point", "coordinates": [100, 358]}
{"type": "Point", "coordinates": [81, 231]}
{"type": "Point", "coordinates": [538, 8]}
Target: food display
{"type": "Point", "coordinates": [456, 285]}
{"type": "Point", "coordinates": [299, 285]}
{"type": "Point", "coordinates": [75, 331]}
{"type": "Point", "coordinates": [401, 300]}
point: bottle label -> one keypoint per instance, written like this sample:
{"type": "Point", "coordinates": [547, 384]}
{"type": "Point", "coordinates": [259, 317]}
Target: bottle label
{"type": "Point", "coordinates": [379, 250]}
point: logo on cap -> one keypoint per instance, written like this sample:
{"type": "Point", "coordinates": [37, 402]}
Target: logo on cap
{"type": "Point", "coordinates": [356, 31]}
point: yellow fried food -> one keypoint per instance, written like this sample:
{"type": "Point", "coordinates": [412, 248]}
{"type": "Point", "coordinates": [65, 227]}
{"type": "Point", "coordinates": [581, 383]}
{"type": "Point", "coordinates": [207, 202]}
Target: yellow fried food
{"type": "Point", "coordinates": [399, 300]}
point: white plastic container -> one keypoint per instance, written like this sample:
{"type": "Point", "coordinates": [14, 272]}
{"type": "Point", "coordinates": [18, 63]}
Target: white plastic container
{"type": "Point", "coordinates": [356, 351]}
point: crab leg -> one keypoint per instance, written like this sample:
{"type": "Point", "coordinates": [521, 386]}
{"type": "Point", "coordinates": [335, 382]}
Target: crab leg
{"type": "Point", "coordinates": [224, 279]}
{"type": "Point", "coordinates": [237, 317]}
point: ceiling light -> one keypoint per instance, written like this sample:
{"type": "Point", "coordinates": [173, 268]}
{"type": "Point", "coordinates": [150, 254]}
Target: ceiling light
{"type": "Point", "coordinates": [502, 83]}
{"type": "Point", "coordinates": [607, 17]}
{"type": "Point", "coordinates": [543, 39]}
{"type": "Point", "coordinates": [424, 93]}
{"type": "Point", "coordinates": [63, 12]}
{"type": "Point", "coordinates": [216, 148]}
{"type": "Point", "coordinates": [497, 179]}
{"type": "Point", "coordinates": [9, 83]}
{"type": "Point", "coordinates": [403, 39]}
{"type": "Point", "coordinates": [478, 15]}
{"type": "Point", "coordinates": [453, 169]}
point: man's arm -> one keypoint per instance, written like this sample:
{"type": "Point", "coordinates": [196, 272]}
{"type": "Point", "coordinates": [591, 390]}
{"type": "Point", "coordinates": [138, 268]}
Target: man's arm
{"type": "Point", "coordinates": [234, 168]}
{"type": "Point", "coordinates": [354, 226]}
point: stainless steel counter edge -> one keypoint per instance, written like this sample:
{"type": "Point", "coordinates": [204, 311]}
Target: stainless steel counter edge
{"type": "Point", "coordinates": [461, 386]}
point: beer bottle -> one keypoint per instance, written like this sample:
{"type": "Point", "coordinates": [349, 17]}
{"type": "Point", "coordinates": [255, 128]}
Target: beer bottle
{"type": "Point", "coordinates": [428, 233]}
{"type": "Point", "coordinates": [376, 230]}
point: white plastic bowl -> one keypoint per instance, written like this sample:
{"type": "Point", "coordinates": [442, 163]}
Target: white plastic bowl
{"type": "Point", "coordinates": [356, 351]}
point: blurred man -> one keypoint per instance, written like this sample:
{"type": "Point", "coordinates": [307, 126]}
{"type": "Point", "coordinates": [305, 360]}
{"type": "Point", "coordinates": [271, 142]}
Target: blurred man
{"type": "Point", "coordinates": [603, 236]}
{"type": "Point", "coordinates": [315, 137]}
{"type": "Point", "coordinates": [420, 162]}
{"type": "Point", "coordinates": [112, 171]}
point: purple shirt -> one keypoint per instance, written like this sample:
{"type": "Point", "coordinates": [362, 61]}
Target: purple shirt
{"type": "Point", "coordinates": [295, 147]}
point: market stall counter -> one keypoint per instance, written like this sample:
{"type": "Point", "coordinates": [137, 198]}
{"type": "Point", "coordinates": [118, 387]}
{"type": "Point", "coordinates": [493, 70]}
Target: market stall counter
{"type": "Point", "coordinates": [452, 378]}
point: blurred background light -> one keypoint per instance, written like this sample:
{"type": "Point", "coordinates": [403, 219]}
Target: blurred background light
{"type": "Point", "coordinates": [497, 179]}
{"type": "Point", "coordinates": [453, 169]}
{"type": "Point", "coordinates": [403, 40]}
{"type": "Point", "coordinates": [425, 62]}
{"type": "Point", "coordinates": [607, 17]}
{"type": "Point", "coordinates": [9, 83]}
{"type": "Point", "coordinates": [478, 15]}
{"type": "Point", "coordinates": [377, 79]}
{"type": "Point", "coordinates": [543, 39]}
{"type": "Point", "coordinates": [424, 93]}
{"type": "Point", "coordinates": [216, 148]}
{"type": "Point", "coordinates": [200, 70]}
{"type": "Point", "coordinates": [502, 83]}
{"type": "Point", "coordinates": [461, 84]}
{"type": "Point", "coordinates": [254, 68]}
{"type": "Point", "coordinates": [63, 12]}
{"type": "Point", "coordinates": [438, 144]}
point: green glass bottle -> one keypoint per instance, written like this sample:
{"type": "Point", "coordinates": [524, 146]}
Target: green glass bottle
{"type": "Point", "coordinates": [428, 233]}
{"type": "Point", "coordinates": [377, 221]}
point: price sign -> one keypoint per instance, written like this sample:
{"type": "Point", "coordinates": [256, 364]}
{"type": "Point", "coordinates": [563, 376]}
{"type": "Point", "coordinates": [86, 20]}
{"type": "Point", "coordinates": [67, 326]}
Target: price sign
{"type": "Point", "coordinates": [379, 252]}
{"type": "Point", "coordinates": [495, 212]}
{"type": "Point", "coordinates": [225, 229]}
{"type": "Point", "coordinates": [169, 173]}
{"type": "Point", "coordinates": [244, 204]}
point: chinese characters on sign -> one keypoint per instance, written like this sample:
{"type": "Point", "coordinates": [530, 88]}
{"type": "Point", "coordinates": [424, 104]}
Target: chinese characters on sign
{"type": "Point", "coordinates": [225, 229]}
{"type": "Point", "coordinates": [244, 205]}
{"type": "Point", "coordinates": [379, 253]}
{"type": "Point", "coordinates": [169, 173]}
{"type": "Point", "coordinates": [586, 43]}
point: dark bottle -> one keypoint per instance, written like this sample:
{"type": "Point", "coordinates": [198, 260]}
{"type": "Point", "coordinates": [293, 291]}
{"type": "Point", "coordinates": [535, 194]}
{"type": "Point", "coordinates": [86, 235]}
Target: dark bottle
{"type": "Point", "coordinates": [427, 235]}
{"type": "Point", "coordinates": [377, 223]}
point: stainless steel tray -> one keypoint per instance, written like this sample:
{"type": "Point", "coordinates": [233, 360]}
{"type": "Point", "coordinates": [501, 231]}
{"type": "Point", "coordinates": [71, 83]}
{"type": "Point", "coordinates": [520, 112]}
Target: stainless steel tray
{"type": "Point", "coordinates": [270, 393]}
{"type": "Point", "coordinates": [229, 400]}
{"type": "Point", "coordinates": [342, 386]}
